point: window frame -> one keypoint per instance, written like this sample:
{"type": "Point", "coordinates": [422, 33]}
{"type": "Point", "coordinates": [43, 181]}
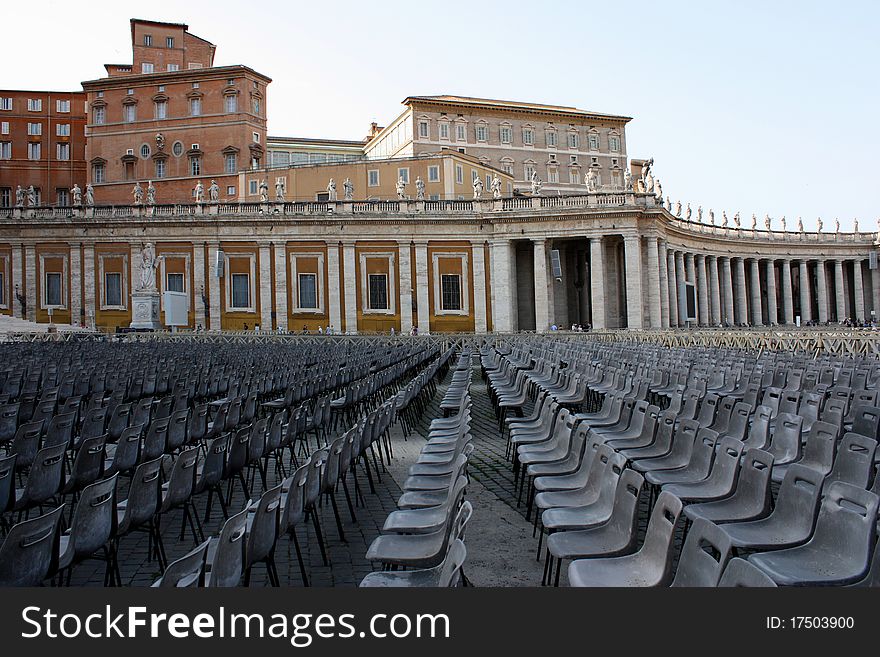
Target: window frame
{"type": "Point", "coordinates": [463, 275]}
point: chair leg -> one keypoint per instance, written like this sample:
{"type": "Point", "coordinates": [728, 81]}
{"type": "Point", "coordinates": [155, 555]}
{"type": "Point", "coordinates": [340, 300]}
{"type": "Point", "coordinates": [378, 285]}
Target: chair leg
{"type": "Point", "coordinates": [317, 525]}
{"type": "Point", "coordinates": [302, 565]}
{"type": "Point", "coordinates": [348, 500]}
{"type": "Point", "coordinates": [338, 519]}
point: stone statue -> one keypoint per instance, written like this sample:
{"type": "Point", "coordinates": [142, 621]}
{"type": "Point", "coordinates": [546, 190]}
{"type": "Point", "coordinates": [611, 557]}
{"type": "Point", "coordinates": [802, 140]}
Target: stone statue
{"type": "Point", "coordinates": [149, 262]}
{"type": "Point", "coordinates": [31, 196]}
{"type": "Point", "coordinates": [659, 189]}
{"type": "Point", "coordinates": [138, 193]}
{"type": "Point", "coordinates": [19, 197]}
{"type": "Point", "coordinates": [627, 181]}
{"type": "Point", "coordinates": [678, 208]}
{"type": "Point", "coordinates": [160, 141]}
{"type": "Point", "coordinates": [496, 186]}
{"type": "Point", "coordinates": [649, 182]}
{"type": "Point", "coordinates": [737, 221]}
{"type": "Point", "coordinates": [724, 222]}
{"type": "Point", "coordinates": [77, 194]}
{"type": "Point", "coordinates": [478, 188]}
{"type": "Point", "coordinates": [668, 204]}
{"type": "Point", "coordinates": [420, 189]}
{"type": "Point", "coordinates": [819, 225]}
{"type": "Point", "coordinates": [90, 195]}
{"type": "Point", "coordinates": [199, 191]}
{"type": "Point", "coordinates": [687, 212]}
{"type": "Point", "coordinates": [711, 216]}
{"type": "Point", "coordinates": [836, 225]}
{"type": "Point", "coordinates": [401, 189]}
{"type": "Point", "coordinates": [214, 191]}
{"type": "Point", "coordinates": [754, 221]}
{"type": "Point", "coordinates": [264, 191]}
{"type": "Point", "coordinates": [856, 225]}
{"type": "Point", "coordinates": [767, 222]}
{"type": "Point", "coordinates": [279, 190]}
{"type": "Point", "coordinates": [348, 189]}
{"type": "Point", "coordinates": [151, 193]}
{"type": "Point", "coordinates": [782, 221]}
{"type": "Point", "coordinates": [645, 172]}
{"type": "Point", "coordinates": [535, 183]}
{"type": "Point", "coordinates": [591, 180]}
{"type": "Point", "coordinates": [331, 190]}
{"type": "Point", "coordinates": [700, 213]}
{"type": "Point", "coordinates": [800, 225]}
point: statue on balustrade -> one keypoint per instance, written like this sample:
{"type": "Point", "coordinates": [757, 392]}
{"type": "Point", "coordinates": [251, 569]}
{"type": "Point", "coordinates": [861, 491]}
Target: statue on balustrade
{"type": "Point", "coordinates": [627, 181]}
{"type": "Point", "coordinates": [77, 194]}
{"type": "Point", "coordinates": [782, 221]}
{"type": "Point", "coordinates": [687, 212]}
{"type": "Point", "coordinates": [138, 193]}
{"type": "Point", "coordinates": [737, 221]}
{"type": "Point", "coordinates": [214, 191]}
{"type": "Point", "coordinates": [331, 190]}
{"type": "Point", "coordinates": [645, 172]}
{"type": "Point", "coordinates": [700, 213]}
{"type": "Point", "coordinates": [836, 225]}
{"type": "Point", "coordinates": [347, 189]}
{"type": "Point", "coordinates": [678, 208]}
{"type": "Point", "coordinates": [264, 191]}
{"type": "Point", "coordinates": [19, 197]}
{"type": "Point", "coordinates": [496, 186]}
{"type": "Point", "coordinates": [536, 183]}
{"type": "Point", "coordinates": [658, 188]}
{"type": "Point", "coordinates": [401, 189]}
{"type": "Point", "coordinates": [420, 189]}
{"type": "Point", "coordinates": [711, 216]}
{"type": "Point", "coordinates": [279, 190]}
{"type": "Point", "coordinates": [767, 222]}
{"type": "Point", "coordinates": [478, 188]}
{"type": "Point", "coordinates": [668, 204]}
{"type": "Point", "coordinates": [754, 221]}
{"type": "Point", "coordinates": [649, 182]}
{"type": "Point", "coordinates": [151, 193]}
{"type": "Point", "coordinates": [149, 262]}
{"type": "Point", "coordinates": [724, 221]}
{"type": "Point", "coordinates": [856, 225]}
{"type": "Point", "coordinates": [819, 225]}
{"type": "Point", "coordinates": [800, 225]}
{"type": "Point", "coordinates": [591, 180]}
{"type": "Point", "coordinates": [199, 192]}
{"type": "Point", "coordinates": [90, 195]}
{"type": "Point", "coordinates": [31, 196]}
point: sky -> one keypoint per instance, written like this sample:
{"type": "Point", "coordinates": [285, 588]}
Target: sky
{"type": "Point", "coordinates": [757, 107]}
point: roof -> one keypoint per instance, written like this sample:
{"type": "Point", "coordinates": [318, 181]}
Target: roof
{"type": "Point", "coordinates": [151, 22]}
{"type": "Point", "coordinates": [490, 103]}
{"type": "Point", "coordinates": [158, 78]}
{"type": "Point", "coordinates": [315, 140]}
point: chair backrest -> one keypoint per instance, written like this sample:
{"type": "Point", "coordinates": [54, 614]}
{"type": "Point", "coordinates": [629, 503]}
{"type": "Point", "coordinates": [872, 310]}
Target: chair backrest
{"type": "Point", "coordinates": [198, 423]}
{"type": "Point", "coordinates": [120, 418]}
{"type": "Point", "coordinates": [294, 509]}
{"type": "Point", "coordinates": [263, 531]}
{"type": "Point", "coordinates": [798, 497]}
{"type": "Point", "coordinates": [60, 430]}
{"type": "Point", "coordinates": [239, 449]}
{"type": "Point", "coordinates": [144, 495]}
{"type": "Point", "coordinates": [739, 421]}
{"type": "Point", "coordinates": [228, 563]}
{"type": "Point", "coordinates": [624, 518]}
{"type": "Point", "coordinates": [88, 464]}
{"type": "Point", "coordinates": [182, 481]}
{"type": "Point", "coordinates": [657, 547]}
{"type": "Point", "coordinates": [128, 450]}
{"type": "Point", "coordinates": [759, 431]}
{"type": "Point", "coordinates": [94, 422]}
{"type": "Point", "coordinates": [156, 440]}
{"type": "Point", "coordinates": [847, 525]}
{"type": "Point", "coordinates": [866, 419]}
{"type": "Point", "coordinates": [188, 571]}
{"type": "Point", "coordinates": [722, 414]}
{"type": "Point", "coordinates": [785, 445]}
{"type": "Point", "coordinates": [703, 556]}
{"type": "Point", "coordinates": [707, 410]}
{"type": "Point", "coordinates": [8, 421]}
{"type": "Point", "coordinates": [7, 482]}
{"type": "Point", "coordinates": [30, 549]}
{"type": "Point", "coordinates": [177, 426]}
{"type": "Point", "coordinates": [26, 443]}
{"type": "Point", "coordinates": [94, 519]}
{"type": "Point", "coordinates": [46, 477]}
{"type": "Point", "coordinates": [740, 573]}
{"type": "Point", "coordinates": [854, 461]}
{"type": "Point", "coordinates": [451, 567]}
{"type": "Point", "coordinates": [818, 452]}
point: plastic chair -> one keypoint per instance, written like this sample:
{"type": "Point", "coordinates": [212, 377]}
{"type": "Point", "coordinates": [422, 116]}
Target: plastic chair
{"type": "Point", "coordinates": [30, 550]}
{"type": "Point", "coordinates": [226, 553]}
{"type": "Point", "coordinates": [188, 571]}
{"type": "Point", "coordinates": [44, 481]}
{"type": "Point", "coordinates": [703, 556]}
{"type": "Point", "coordinates": [92, 529]}
{"type": "Point", "coordinates": [751, 498]}
{"type": "Point", "coordinates": [262, 534]}
{"type": "Point", "coordinates": [854, 461]}
{"type": "Point", "coordinates": [441, 576]}
{"type": "Point", "coordinates": [741, 573]}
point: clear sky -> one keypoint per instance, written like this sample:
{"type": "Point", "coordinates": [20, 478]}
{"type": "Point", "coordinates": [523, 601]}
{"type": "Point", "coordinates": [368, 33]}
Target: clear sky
{"type": "Point", "coordinates": [757, 107]}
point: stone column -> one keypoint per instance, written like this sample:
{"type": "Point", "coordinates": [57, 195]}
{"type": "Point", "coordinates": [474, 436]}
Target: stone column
{"type": "Point", "coordinates": [17, 281]}
{"type": "Point", "coordinates": [729, 316]}
{"type": "Point", "coordinates": [30, 270]}
{"type": "Point", "coordinates": [654, 293]}
{"type": "Point", "coordinates": [787, 296]}
{"type": "Point", "coordinates": [88, 284]}
{"type": "Point", "coordinates": [478, 269]}
{"type": "Point", "coordinates": [822, 291]}
{"type": "Point", "coordinates": [632, 245]}
{"type": "Point", "coordinates": [839, 291]}
{"type": "Point", "coordinates": [664, 286]}
{"type": "Point", "coordinates": [680, 278]}
{"type": "Point", "coordinates": [672, 287]}
{"type": "Point", "coordinates": [282, 291]}
{"type": "Point", "coordinates": [405, 277]}
{"type": "Point", "coordinates": [875, 293]}
{"type": "Point", "coordinates": [742, 315]}
{"type": "Point", "coordinates": [266, 286]}
{"type": "Point", "coordinates": [348, 262]}
{"type": "Point", "coordinates": [214, 287]}
{"type": "Point", "coordinates": [75, 285]}
{"type": "Point", "coordinates": [199, 318]}
{"type": "Point", "coordinates": [757, 317]}
{"type": "Point", "coordinates": [334, 294]}
{"type": "Point", "coordinates": [499, 293]}
{"type": "Point", "coordinates": [772, 311]}
{"type": "Point", "coordinates": [422, 287]}
{"type": "Point", "coordinates": [702, 290]}
{"type": "Point", "coordinates": [806, 300]}
{"type": "Point", "coordinates": [859, 289]}
{"type": "Point", "coordinates": [715, 291]}
{"type": "Point", "coordinates": [542, 302]}
{"type": "Point", "coordinates": [597, 282]}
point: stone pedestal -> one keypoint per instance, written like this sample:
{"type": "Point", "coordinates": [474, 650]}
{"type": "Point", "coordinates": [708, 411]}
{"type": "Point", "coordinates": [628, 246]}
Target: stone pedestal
{"type": "Point", "coordinates": [145, 311]}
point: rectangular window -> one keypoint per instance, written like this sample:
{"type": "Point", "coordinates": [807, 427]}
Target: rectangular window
{"type": "Point", "coordinates": [444, 130]}
{"type": "Point", "coordinates": [230, 165]}
{"type": "Point", "coordinates": [160, 168]}
{"type": "Point", "coordinates": [169, 42]}
{"type": "Point", "coordinates": [450, 292]}
{"type": "Point", "coordinates": [174, 282]}
{"type": "Point", "coordinates": [99, 115]}
{"type": "Point", "coordinates": [62, 151]}
{"type": "Point", "coordinates": [308, 290]}
{"type": "Point", "coordinates": [62, 106]}
{"type": "Point", "coordinates": [459, 174]}
{"type": "Point", "coordinates": [5, 150]}
{"type": "Point", "coordinates": [460, 132]}
{"type": "Point", "coordinates": [35, 105]}
{"type": "Point", "coordinates": [529, 171]}
{"type": "Point", "coordinates": [195, 106]}
{"type": "Point", "coordinates": [508, 169]}
{"type": "Point", "coordinates": [252, 187]}
{"type": "Point", "coordinates": [552, 176]}
{"type": "Point", "coordinates": [35, 129]}
{"type": "Point", "coordinates": [403, 174]}
{"type": "Point", "coordinates": [6, 104]}
{"type": "Point", "coordinates": [551, 138]}
{"type": "Point", "coordinates": [53, 288]}
{"type": "Point", "coordinates": [62, 129]}
{"type": "Point", "coordinates": [614, 143]}
{"type": "Point", "coordinates": [112, 289]}
{"type": "Point", "coordinates": [195, 166]}
{"type": "Point", "coordinates": [146, 67]}
{"type": "Point", "coordinates": [5, 198]}
{"type": "Point", "coordinates": [506, 134]}
{"type": "Point", "coordinates": [4, 127]}
{"type": "Point", "coordinates": [574, 176]}
{"type": "Point", "coordinates": [161, 109]}
{"type": "Point", "coordinates": [594, 142]}
{"type": "Point", "coordinates": [572, 140]}
{"type": "Point", "coordinates": [34, 150]}
{"type": "Point", "coordinates": [231, 104]}
{"type": "Point", "coordinates": [62, 197]}
{"type": "Point", "coordinates": [423, 129]}
{"type": "Point", "coordinates": [482, 133]}
{"type": "Point", "coordinates": [148, 39]}
{"type": "Point", "coordinates": [174, 67]}
{"type": "Point", "coordinates": [378, 291]}
{"type": "Point", "coordinates": [256, 136]}
{"type": "Point", "coordinates": [241, 290]}
{"type": "Point", "coordinates": [474, 175]}
{"type": "Point", "coordinates": [98, 173]}
{"type": "Point", "coordinates": [256, 105]}
{"type": "Point", "coordinates": [528, 137]}
{"type": "Point", "coordinates": [433, 174]}
{"type": "Point", "coordinates": [373, 178]}
{"type": "Point", "coordinates": [230, 190]}
{"type": "Point", "coordinates": [129, 113]}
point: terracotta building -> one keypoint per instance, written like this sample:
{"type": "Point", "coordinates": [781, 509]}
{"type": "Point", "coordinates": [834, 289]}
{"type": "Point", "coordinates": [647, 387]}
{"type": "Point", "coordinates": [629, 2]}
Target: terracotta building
{"type": "Point", "coordinates": [42, 144]}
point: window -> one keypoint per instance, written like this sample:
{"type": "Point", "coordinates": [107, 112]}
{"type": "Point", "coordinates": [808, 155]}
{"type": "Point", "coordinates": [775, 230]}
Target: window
{"type": "Point", "coordinates": [5, 202]}
{"type": "Point", "coordinates": [62, 129]}
{"type": "Point", "coordinates": [112, 289]}
{"type": "Point", "coordinates": [62, 197]}
{"type": "Point", "coordinates": [35, 105]}
{"type": "Point", "coordinates": [444, 130]}
{"type": "Point", "coordinates": [5, 150]}
{"type": "Point", "coordinates": [160, 168]}
{"type": "Point", "coordinates": [474, 175]}
{"type": "Point", "coordinates": [230, 190]}
{"type": "Point", "coordinates": [230, 164]}
{"type": "Point", "coordinates": [373, 178]}
{"type": "Point", "coordinates": [146, 67]}
{"type": "Point", "coordinates": [34, 150]}
{"type": "Point", "coordinates": [62, 106]}
{"type": "Point", "coordinates": [551, 138]}
{"type": "Point", "coordinates": [459, 174]}
{"type": "Point", "coordinates": [174, 282]}
{"type": "Point", "coordinates": [506, 134]}
{"type": "Point", "coordinates": [256, 136]}
{"type": "Point", "coordinates": [403, 174]}
{"type": "Point", "coordinates": [62, 151]}
{"type": "Point", "coordinates": [256, 105]}
{"type": "Point", "coordinates": [528, 137]}
{"type": "Point", "coordinates": [308, 290]}
{"type": "Point", "coordinates": [614, 161]}
{"type": "Point", "coordinates": [552, 175]}
{"type": "Point", "coordinates": [194, 65]}
{"type": "Point", "coordinates": [252, 187]}
{"type": "Point", "coordinates": [35, 129]}
{"type": "Point", "coordinates": [169, 42]}
{"type": "Point", "coordinates": [450, 292]}
{"type": "Point", "coordinates": [614, 143]}
{"type": "Point", "coordinates": [594, 161]}
{"type": "Point", "coordinates": [378, 291]}
{"type": "Point", "coordinates": [573, 159]}
{"type": "Point", "coordinates": [529, 171]}
{"type": "Point", "coordinates": [195, 106]}
{"type": "Point", "coordinates": [98, 173]}
{"type": "Point", "coordinates": [177, 149]}
{"type": "Point", "coordinates": [241, 290]}
{"type": "Point", "coordinates": [6, 104]}
{"type": "Point", "coordinates": [574, 176]}
{"type": "Point", "coordinates": [145, 151]}
{"type": "Point", "coordinates": [148, 39]}
{"type": "Point", "coordinates": [195, 85]}
{"type": "Point", "coordinates": [161, 107]}
{"type": "Point", "coordinates": [594, 142]}
{"type": "Point", "coordinates": [573, 140]}
{"type": "Point", "coordinates": [195, 166]}
{"type": "Point", "coordinates": [98, 115]}
{"type": "Point", "coordinates": [460, 132]}
{"type": "Point", "coordinates": [231, 103]}
{"type": "Point", "coordinates": [482, 133]}
{"type": "Point", "coordinates": [52, 280]}
{"type": "Point", "coordinates": [4, 128]}
{"type": "Point", "coordinates": [129, 92]}
{"type": "Point", "coordinates": [173, 67]}
{"type": "Point", "coordinates": [129, 113]}
{"type": "Point", "coordinates": [433, 174]}
{"type": "Point", "coordinates": [507, 167]}
{"type": "Point", "coordinates": [423, 129]}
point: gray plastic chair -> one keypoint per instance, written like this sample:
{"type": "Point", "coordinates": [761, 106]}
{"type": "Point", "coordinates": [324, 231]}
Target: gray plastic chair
{"type": "Point", "coordinates": [7, 486]}
{"type": "Point", "coordinates": [759, 431]}
{"type": "Point", "coordinates": [60, 430]}
{"type": "Point", "coordinates": [785, 444]}
{"type": "Point", "coordinates": [703, 556]}
{"type": "Point", "coordinates": [679, 454]}
{"type": "Point", "coordinates": [817, 453]}
{"type": "Point", "coordinates": [662, 440]}
{"type": "Point", "coordinates": [740, 573]}
{"type": "Point", "coordinates": [721, 480]}
{"type": "Point", "coordinates": [186, 572]}
{"type": "Point", "coordinates": [751, 498]}
{"type": "Point", "coordinates": [854, 461]}
{"type": "Point", "coordinates": [442, 576]}
{"type": "Point", "coordinates": [45, 479]}
{"type": "Point", "coordinates": [262, 534]}
{"type": "Point", "coordinates": [92, 529]}
{"type": "Point", "coordinates": [840, 550]}
{"type": "Point", "coordinates": [696, 469]}
{"type": "Point", "coordinates": [26, 443]}
{"type": "Point", "coordinates": [226, 553]}
{"type": "Point", "coordinates": [866, 418]}
{"type": "Point", "coordinates": [30, 550]}
{"type": "Point", "coordinates": [650, 566]}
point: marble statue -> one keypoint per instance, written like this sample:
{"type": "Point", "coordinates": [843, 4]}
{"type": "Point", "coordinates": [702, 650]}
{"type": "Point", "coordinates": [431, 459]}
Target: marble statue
{"type": "Point", "coordinates": [535, 183]}
{"type": "Point", "coordinates": [767, 222]}
{"type": "Point", "coordinates": [711, 216]}
{"type": "Point", "coordinates": [855, 225]}
{"type": "Point", "coordinates": [724, 222]}
{"type": "Point", "coordinates": [279, 190]}
{"type": "Point", "coordinates": [160, 141]}
{"type": "Point", "coordinates": [591, 180]}
{"type": "Point", "coordinates": [264, 191]}
{"type": "Point", "coordinates": [90, 195]}
{"type": "Point", "coordinates": [687, 212]}
{"type": "Point", "coordinates": [348, 189]}
{"type": "Point", "coordinates": [627, 181]}
{"type": "Point", "coordinates": [737, 221]}
{"type": "Point", "coordinates": [19, 197]}
{"type": "Point", "coordinates": [420, 189]}
{"type": "Point", "coordinates": [659, 189]}
{"type": "Point", "coordinates": [668, 204]}
{"type": "Point", "coordinates": [77, 194]}
{"type": "Point", "coordinates": [754, 221]}
{"type": "Point", "coordinates": [700, 213]}
{"type": "Point", "coordinates": [214, 191]}
{"type": "Point", "coordinates": [649, 182]}
{"type": "Point", "coordinates": [138, 193]}
{"type": "Point", "coordinates": [151, 193]}
{"type": "Point", "coordinates": [836, 225]}
{"type": "Point", "coordinates": [199, 191]}
{"type": "Point", "coordinates": [645, 172]}
{"type": "Point", "coordinates": [478, 188]}
{"type": "Point", "coordinates": [800, 225]}
{"type": "Point", "coordinates": [31, 196]}
{"type": "Point", "coordinates": [678, 208]}
{"type": "Point", "coordinates": [149, 262]}
{"type": "Point", "coordinates": [331, 190]}
{"type": "Point", "coordinates": [401, 189]}
{"type": "Point", "coordinates": [496, 186]}
{"type": "Point", "coordinates": [819, 225]}
{"type": "Point", "coordinates": [782, 221]}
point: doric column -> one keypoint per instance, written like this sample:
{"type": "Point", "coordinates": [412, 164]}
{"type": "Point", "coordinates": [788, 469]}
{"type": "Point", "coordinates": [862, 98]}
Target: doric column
{"type": "Point", "coordinates": [787, 296]}
{"type": "Point", "coordinates": [17, 282]}
{"type": "Point", "coordinates": [88, 284]}
{"type": "Point", "coordinates": [679, 281]}
{"type": "Point", "coordinates": [632, 245]}
{"type": "Point", "coordinates": [875, 293]}
{"type": "Point", "coordinates": [742, 316]}
{"type": "Point", "coordinates": [266, 290]}
{"type": "Point", "coordinates": [542, 302]}
{"type": "Point", "coordinates": [214, 287]}
{"type": "Point", "coordinates": [334, 293]}
{"type": "Point", "coordinates": [422, 287]}
{"type": "Point", "coordinates": [500, 293]}
{"type": "Point", "coordinates": [859, 289]}
{"type": "Point", "coordinates": [772, 311]}
{"type": "Point", "coordinates": [664, 286]}
{"type": "Point", "coordinates": [702, 290]}
{"type": "Point", "coordinates": [691, 276]}
{"type": "Point", "coordinates": [75, 284]}
{"type": "Point", "coordinates": [478, 258]}
{"type": "Point", "coordinates": [727, 279]}
{"type": "Point", "coordinates": [199, 318]}
{"type": "Point", "coordinates": [714, 291]}
{"type": "Point", "coordinates": [672, 286]}
{"type": "Point", "coordinates": [757, 317]}
{"type": "Point", "coordinates": [839, 291]}
{"type": "Point", "coordinates": [806, 299]}
{"type": "Point", "coordinates": [350, 287]}
{"type": "Point", "coordinates": [282, 293]}
{"type": "Point", "coordinates": [654, 293]}
{"type": "Point", "coordinates": [597, 282]}
{"type": "Point", "coordinates": [822, 291]}
{"type": "Point", "coordinates": [405, 269]}
{"type": "Point", "coordinates": [30, 270]}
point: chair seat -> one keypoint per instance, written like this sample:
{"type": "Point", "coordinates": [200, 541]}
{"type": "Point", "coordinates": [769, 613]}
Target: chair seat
{"type": "Point", "coordinates": [416, 551]}
{"type": "Point", "coordinates": [427, 577]}
{"type": "Point", "coordinates": [602, 541]}
{"type": "Point", "coordinates": [805, 566]}
{"type": "Point", "coordinates": [632, 570]}
{"type": "Point", "coordinates": [578, 517]}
